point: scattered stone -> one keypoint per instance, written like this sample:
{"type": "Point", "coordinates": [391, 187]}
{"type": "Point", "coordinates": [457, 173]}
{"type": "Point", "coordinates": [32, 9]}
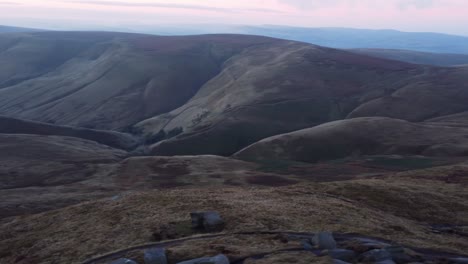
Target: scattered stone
{"type": "Point", "coordinates": [155, 256]}
{"type": "Point", "coordinates": [395, 249]}
{"type": "Point", "coordinates": [219, 259]}
{"type": "Point", "coordinates": [116, 197]}
{"type": "Point", "coordinates": [375, 255]}
{"type": "Point", "coordinates": [337, 261]}
{"type": "Point", "coordinates": [375, 245]}
{"type": "Point", "coordinates": [213, 222]}
{"type": "Point", "coordinates": [398, 254]}
{"type": "Point", "coordinates": [207, 221]}
{"type": "Point", "coordinates": [388, 261]}
{"type": "Point", "coordinates": [123, 261]}
{"type": "Point", "coordinates": [459, 260]}
{"type": "Point", "coordinates": [324, 240]}
{"type": "Point", "coordinates": [307, 245]}
{"type": "Point", "coordinates": [340, 254]}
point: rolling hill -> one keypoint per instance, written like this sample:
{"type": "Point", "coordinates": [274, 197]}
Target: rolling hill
{"type": "Point", "coordinates": [312, 85]}
{"type": "Point", "coordinates": [361, 136]}
{"type": "Point", "coordinates": [34, 160]}
{"type": "Point", "coordinates": [110, 138]}
{"type": "Point", "coordinates": [106, 80]}
{"type": "Point", "coordinates": [210, 94]}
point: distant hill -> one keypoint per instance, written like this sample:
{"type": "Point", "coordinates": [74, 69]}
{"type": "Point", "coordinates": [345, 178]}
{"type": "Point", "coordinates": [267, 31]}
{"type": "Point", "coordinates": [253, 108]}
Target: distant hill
{"type": "Point", "coordinates": [347, 38]}
{"type": "Point", "coordinates": [438, 59]}
{"type": "Point", "coordinates": [341, 38]}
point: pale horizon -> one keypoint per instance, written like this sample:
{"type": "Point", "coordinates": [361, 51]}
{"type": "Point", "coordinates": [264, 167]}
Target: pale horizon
{"type": "Point", "coordinates": [442, 16]}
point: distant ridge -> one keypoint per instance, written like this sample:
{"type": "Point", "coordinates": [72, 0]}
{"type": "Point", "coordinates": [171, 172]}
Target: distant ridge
{"type": "Point", "coordinates": [10, 29]}
{"type": "Point", "coordinates": [340, 38]}
{"type": "Point", "coordinates": [417, 57]}
{"type": "Point", "coordinates": [333, 37]}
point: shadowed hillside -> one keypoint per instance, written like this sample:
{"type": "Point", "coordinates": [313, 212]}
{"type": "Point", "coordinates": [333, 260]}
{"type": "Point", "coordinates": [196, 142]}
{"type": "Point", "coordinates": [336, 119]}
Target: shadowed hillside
{"type": "Point", "coordinates": [106, 80]}
{"type": "Point", "coordinates": [361, 136]}
{"type": "Point", "coordinates": [33, 160]}
{"type": "Point", "coordinates": [299, 86]}
{"type": "Point", "coordinates": [109, 138]}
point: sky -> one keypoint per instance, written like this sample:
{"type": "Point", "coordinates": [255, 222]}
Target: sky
{"type": "Point", "coordinates": [445, 16]}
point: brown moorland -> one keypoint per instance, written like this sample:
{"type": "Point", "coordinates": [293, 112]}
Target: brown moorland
{"type": "Point", "coordinates": [368, 207]}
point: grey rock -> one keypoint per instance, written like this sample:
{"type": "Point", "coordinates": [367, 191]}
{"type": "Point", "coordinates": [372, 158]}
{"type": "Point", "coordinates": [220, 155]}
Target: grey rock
{"type": "Point", "coordinates": [398, 254]}
{"type": "Point", "coordinates": [207, 221]}
{"type": "Point", "coordinates": [123, 261]}
{"type": "Point", "coordinates": [219, 259]}
{"type": "Point", "coordinates": [212, 222]}
{"type": "Point", "coordinates": [342, 254]}
{"type": "Point", "coordinates": [395, 249]}
{"type": "Point", "coordinates": [459, 260]}
{"type": "Point", "coordinates": [324, 240]}
{"type": "Point", "coordinates": [155, 256]}
{"type": "Point", "coordinates": [337, 261]}
{"type": "Point", "coordinates": [197, 220]}
{"type": "Point", "coordinates": [388, 261]}
{"type": "Point", "coordinates": [376, 255]}
{"type": "Point", "coordinates": [116, 197]}
{"type": "Point", "coordinates": [375, 245]}
{"type": "Point", "coordinates": [307, 245]}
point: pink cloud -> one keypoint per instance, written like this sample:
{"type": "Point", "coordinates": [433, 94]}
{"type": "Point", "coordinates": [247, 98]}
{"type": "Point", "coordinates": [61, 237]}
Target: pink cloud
{"type": "Point", "coordinates": [410, 15]}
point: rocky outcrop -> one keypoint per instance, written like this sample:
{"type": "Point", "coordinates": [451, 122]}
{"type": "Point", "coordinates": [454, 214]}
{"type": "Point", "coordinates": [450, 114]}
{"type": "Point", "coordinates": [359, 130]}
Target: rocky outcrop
{"type": "Point", "coordinates": [207, 221]}
{"type": "Point", "coordinates": [155, 256]}
{"type": "Point", "coordinates": [123, 261]}
{"type": "Point", "coordinates": [219, 259]}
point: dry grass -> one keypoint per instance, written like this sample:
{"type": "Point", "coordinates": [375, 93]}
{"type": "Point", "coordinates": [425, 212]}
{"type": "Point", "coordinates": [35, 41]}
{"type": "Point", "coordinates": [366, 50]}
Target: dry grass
{"type": "Point", "coordinates": [75, 233]}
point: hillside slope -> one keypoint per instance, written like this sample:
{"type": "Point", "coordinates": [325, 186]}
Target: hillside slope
{"type": "Point", "coordinates": [109, 138]}
{"type": "Point", "coordinates": [211, 94]}
{"type": "Point", "coordinates": [298, 86]}
{"type": "Point", "coordinates": [106, 80]}
{"type": "Point", "coordinates": [361, 136]}
{"type": "Point", "coordinates": [33, 160]}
